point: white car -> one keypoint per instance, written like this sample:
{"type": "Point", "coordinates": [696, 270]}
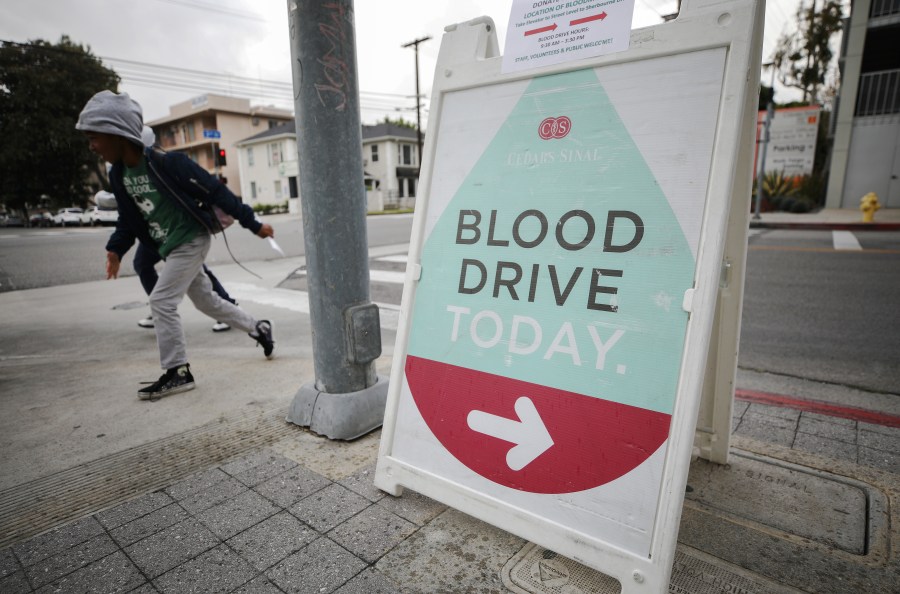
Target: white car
{"type": "Point", "coordinates": [96, 215]}
{"type": "Point", "coordinates": [68, 216]}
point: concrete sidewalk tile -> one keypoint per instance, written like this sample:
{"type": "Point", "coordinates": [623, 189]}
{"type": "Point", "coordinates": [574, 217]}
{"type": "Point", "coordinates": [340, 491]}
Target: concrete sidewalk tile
{"type": "Point", "coordinates": [151, 523]}
{"type": "Point", "coordinates": [824, 446]}
{"type": "Point", "coordinates": [414, 507]}
{"type": "Point", "coordinates": [877, 437]}
{"type": "Point", "coordinates": [781, 412]}
{"type": "Point", "coordinates": [8, 563]}
{"type": "Point", "coordinates": [113, 573]}
{"type": "Point", "coordinates": [370, 581]}
{"type": "Point", "coordinates": [272, 540]}
{"type": "Point", "coordinates": [828, 419]}
{"type": "Point", "coordinates": [290, 487]}
{"type": "Point", "coordinates": [217, 494]}
{"type": "Point", "coordinates": [889, 461]}
{"type": "Point", "coordinates": [739, 408]}
{"type": "Point", "coordinates": [159, 553]}
{"type": "Point", "coordinates": [46, 545]}
{"type": "Point", "coordinates": [259, 585]}
{"type": "Point", "coordinates": [372, 533]}
{"type": "Point", "coordinates": [52, 568]}
{"type": "Point", "coordinates": [134, 509]}
{"type": "Point", "coordinates": [15, 583]}
{"type": "Point", "coordinates": [766, 428]}
{"type": "Point", "coordinates": [258, 467]}
{"type": "Point", "coordinates": [329, 507]}
{"type": "Point", "coordinates": [454, 553]}
{"type": "Point", "coordinates": [238, 514]}
{"type": "Point", "coordinates": [322, 566]}
{"type": "Point", "coordinates": [200, 481]}
{"type": "Point", "coordinates": [145, 589]}
{"type": "Point", "coordinates": [217, 570]}
{"type": "Point", "coordinates": [363, 483]}
{"type": "Point", "coordinates": [840, 432]}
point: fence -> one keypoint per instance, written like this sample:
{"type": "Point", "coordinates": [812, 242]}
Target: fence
{"type": "Point", "coordinates": [879, 93]}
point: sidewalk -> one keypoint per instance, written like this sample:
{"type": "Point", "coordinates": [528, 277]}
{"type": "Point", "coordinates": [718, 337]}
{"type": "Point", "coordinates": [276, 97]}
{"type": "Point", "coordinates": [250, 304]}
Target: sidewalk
{"type": "Point", "coordinates": [847, 219]}
{"type": "Point", "coordinates": [212, 491]}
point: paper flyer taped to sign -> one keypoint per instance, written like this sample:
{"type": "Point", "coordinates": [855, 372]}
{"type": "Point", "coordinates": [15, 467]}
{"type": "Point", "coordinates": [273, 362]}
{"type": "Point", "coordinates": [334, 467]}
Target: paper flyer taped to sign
{"type": "Point", "coordinates": [545, 32]}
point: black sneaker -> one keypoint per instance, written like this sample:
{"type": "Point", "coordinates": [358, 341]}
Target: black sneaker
{"type": "Point", "coordinates": [263, 337]}
{"type": "Point", "coordinates": [173, 381]}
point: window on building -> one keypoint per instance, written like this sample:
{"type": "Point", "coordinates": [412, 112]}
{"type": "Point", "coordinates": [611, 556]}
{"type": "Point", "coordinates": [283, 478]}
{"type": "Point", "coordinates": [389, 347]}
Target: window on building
{"type": "Point", "coordinates": [274, 154]}
{"type": "Point", "coordinates": [278, 189]}
{"type": "Point", "coordinates": [411, 187]}
{"type": "Point", "coordinates": [374, 153]}
{"type": "Point", "coordinates": [294, 189]}
{"type": "Point", "coordinates": [253, 190]}
{"type": "Point", "coordinates": [250, 159]}
{"type": "Point", "coordinates": [407, 154]}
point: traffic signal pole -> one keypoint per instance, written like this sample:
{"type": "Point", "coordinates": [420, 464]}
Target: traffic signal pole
{"type": "Point", "coordinates": [347, 398]}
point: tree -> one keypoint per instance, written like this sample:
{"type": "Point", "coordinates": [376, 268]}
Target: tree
{"type": "Point", "coordinates": [400, 122]}
{"type": "Point", "coordinates": [803, 58]}
{"type": "Point", "coordinates": [43, 88]}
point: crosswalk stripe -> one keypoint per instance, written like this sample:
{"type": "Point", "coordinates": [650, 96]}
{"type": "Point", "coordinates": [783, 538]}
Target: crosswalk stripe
{"type": "Point", "coordinates": [845, 240]}
{"type": "Point", "coordinates": [298, 301]}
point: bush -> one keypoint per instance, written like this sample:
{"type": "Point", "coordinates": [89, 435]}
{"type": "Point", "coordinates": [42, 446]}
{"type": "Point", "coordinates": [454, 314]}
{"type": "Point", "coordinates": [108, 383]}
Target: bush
{"type": "Point", "coordinates": [264, 209]}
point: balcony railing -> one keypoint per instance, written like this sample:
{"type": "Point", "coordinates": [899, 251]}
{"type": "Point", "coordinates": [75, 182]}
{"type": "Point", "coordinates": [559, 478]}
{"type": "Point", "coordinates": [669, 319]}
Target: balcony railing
{"type": "Point", "coordinates": [882, 8]}
{"type": "Point", "coordinates": [879, 93]}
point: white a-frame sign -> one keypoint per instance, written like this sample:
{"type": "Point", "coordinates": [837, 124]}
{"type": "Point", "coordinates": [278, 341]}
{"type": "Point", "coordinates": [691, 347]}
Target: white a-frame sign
{"type": "Point", "coordinates": [561, 292]}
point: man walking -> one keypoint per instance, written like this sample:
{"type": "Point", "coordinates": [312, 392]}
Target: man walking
{"type": "Point", "coordinates": [167, 200]}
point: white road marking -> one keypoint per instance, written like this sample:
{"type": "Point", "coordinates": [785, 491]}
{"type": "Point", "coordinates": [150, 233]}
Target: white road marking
{"type": "Point", "coordinates": [379, 276]}
{"type": "Point", "coordinates": [845, 240]}
{"type": "Point", "coordinates": [298, 301]}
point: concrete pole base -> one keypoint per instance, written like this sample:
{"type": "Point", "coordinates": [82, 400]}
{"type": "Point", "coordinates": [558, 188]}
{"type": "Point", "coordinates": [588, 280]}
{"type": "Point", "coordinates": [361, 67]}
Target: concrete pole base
{"type": "Point", "coordinates": [340, 416]}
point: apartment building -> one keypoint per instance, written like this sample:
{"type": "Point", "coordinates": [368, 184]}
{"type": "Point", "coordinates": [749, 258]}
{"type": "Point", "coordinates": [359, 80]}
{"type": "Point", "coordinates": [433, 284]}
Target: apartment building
{"type": "Point", "coordinates": [866, 151]}
{"type": "Point", "coordinates": [203, 126]}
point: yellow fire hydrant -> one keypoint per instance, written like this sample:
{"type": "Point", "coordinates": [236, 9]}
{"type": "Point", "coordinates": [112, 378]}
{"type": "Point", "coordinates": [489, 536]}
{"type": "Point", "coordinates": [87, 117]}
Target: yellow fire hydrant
{"type": "Point", "coordinates": [868, 204]}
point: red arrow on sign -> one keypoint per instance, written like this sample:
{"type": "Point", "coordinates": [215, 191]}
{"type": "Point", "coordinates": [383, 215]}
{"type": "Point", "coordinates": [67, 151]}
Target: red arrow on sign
{"type": "Point", "coordinates": [596, 17]}
{"type": "Point", "coordinates": [563, 442]}
{"type": "Point", "coordinates": [541, 30]}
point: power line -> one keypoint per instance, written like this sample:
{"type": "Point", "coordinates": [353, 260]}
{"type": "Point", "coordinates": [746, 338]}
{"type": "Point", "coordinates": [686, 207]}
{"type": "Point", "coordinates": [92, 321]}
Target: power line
{"type": "Point", "coordinates": [233, 12]}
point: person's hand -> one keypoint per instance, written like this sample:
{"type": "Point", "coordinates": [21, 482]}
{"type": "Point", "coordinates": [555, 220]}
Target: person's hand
{"type": "Point", "coordinates": [112, 265]}
{"type": "Point", "coordinates": [266, 231]}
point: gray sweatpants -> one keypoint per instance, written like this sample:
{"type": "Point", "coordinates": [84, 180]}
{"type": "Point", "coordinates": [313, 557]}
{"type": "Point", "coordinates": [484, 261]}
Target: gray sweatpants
{"type": "Point", "coordinates": [182, 274]}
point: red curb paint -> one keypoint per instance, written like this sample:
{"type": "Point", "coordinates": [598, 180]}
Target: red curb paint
{"type": "Point", "coordinates": [822, 408]}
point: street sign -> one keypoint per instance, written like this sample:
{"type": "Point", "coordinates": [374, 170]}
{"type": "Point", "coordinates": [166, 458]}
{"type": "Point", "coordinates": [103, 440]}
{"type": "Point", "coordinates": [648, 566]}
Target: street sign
{"type": "Point", "coordinates": [212, 134]}
{"type": "Point", "coordinates": [565, 262]}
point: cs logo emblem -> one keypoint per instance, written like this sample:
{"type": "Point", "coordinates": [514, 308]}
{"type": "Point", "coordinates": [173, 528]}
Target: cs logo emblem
{"type": "Point", "coordinates": [555, 128]}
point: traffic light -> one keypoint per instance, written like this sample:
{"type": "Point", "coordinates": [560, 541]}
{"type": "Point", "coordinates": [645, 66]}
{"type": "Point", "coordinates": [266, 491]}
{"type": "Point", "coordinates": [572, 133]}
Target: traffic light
{"type": "Point", "coordinates": [220, 158]}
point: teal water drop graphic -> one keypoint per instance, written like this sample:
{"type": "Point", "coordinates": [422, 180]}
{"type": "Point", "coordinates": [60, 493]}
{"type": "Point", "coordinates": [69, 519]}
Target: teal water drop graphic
{"type": "Point", "coordinates": [559, 261]}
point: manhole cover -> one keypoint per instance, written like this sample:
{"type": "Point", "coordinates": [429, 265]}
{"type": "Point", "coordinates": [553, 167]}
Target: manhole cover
{"type": "Point", "coordinates": [784, 498]}
{"type": "Point", "coordinates": [536, 570]}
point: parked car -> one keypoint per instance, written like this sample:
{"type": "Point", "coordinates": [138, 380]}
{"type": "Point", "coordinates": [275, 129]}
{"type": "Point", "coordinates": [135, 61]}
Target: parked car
{"type": "Point", "coordinates": [99, 216]}
{"type": "Point", "coordinates": [68, 216]}
{"type": "Point", "coordinates": [40, 219]}
{"type": "Point", "coordinates": [11, 220]}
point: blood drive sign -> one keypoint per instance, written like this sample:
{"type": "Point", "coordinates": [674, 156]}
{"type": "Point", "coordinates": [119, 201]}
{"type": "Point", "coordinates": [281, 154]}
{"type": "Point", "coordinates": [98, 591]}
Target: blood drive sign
{"type": "Point", "coordinates": [547, 331]}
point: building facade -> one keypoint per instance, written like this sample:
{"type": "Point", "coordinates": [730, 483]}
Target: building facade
{"type": "Point", "coordinates": [391, 163]}
{"type": "Point", "coordinates": [204, 125]}
{"type": "Point", "coordinates": [269, 169]}
{"type": "Point", "coordinates": [866, 150]}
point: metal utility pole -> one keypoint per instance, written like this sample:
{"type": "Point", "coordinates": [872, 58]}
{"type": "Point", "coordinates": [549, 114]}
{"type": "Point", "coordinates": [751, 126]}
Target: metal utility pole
{"type": "Point", "coordinates": [347, 398]}
{"type": "Point", "coordinates": [415, 44]}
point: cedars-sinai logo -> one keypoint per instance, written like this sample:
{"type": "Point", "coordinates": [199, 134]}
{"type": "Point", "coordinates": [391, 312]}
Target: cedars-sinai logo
{"type": "Point", "coordinates": [555, 128]}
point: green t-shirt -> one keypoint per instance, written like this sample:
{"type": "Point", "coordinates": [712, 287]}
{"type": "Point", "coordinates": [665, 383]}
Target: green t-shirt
{"type": "Point", "coordinates": [168, 224]}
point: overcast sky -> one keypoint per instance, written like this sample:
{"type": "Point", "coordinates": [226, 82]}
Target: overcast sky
{"type": "Point", "coordinates": [152, 43]}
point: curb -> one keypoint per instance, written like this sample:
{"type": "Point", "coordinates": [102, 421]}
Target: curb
{"type": "Point", "coordinates": [826, 226]}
